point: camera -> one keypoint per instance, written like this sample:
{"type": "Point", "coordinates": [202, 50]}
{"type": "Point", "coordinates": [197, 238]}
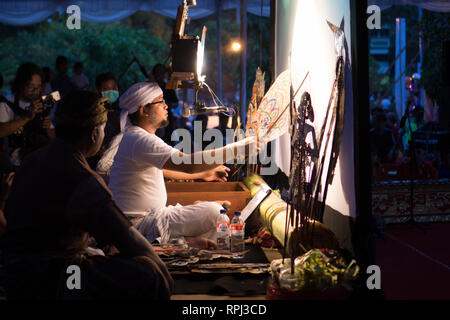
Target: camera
{"type": "Point", "coordinates": [48, 102]}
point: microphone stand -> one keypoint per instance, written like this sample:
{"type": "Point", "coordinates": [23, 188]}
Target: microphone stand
{"type": "Point", "coordinates": [412, 149]}
{"type": "Point", "coordinates": [141, 67]}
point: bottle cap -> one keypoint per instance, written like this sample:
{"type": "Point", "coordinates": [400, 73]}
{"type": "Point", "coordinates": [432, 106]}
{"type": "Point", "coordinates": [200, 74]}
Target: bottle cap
{"type": "Point", "coordinates": [237, 213]}
{"type": "Point", "coordinates": [222, 211]}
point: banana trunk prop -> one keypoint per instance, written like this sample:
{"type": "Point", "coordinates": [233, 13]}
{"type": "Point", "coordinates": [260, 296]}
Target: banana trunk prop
{"type": "Point", "coordinates": [272, 212]}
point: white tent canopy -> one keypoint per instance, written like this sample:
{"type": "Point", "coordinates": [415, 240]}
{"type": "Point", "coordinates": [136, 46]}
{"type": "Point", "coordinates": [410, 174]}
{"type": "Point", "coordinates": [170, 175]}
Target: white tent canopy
{"type": "Point", "coordinates": [431, 5]}
{"type": "Point", "coordinates": [27, 12]}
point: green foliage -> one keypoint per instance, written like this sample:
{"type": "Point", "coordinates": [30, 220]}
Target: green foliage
{"type": "Point", "coordinates": [411, 16]}
{"type": "Point", "coordinates": [436, 29]}
{"type": "Point", "coordinates": [378, 83]}
{"type": "Point", "coordinates": [100, 47]}
{"type": "Point", "coordinates": [382, 84]}
{"type": "Point", "coordinates": [107, 47]}
{"type": "Point", "coordinates": [258, 35]}
{"type": "Point", "coordinates": [231, 60]}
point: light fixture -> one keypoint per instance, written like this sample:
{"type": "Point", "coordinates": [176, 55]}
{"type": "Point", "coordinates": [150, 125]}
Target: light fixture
{"type": "Point", "coordinates": [187, 54]}
{"type": "Point", "coordinates": [235, 46]}
{"type": "Point", "coordinates": [187, 58]}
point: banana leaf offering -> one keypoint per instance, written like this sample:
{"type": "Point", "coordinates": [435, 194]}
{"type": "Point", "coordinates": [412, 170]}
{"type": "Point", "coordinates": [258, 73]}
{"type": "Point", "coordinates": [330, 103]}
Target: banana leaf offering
{"type": "Point", "coordinates": [317, 269]}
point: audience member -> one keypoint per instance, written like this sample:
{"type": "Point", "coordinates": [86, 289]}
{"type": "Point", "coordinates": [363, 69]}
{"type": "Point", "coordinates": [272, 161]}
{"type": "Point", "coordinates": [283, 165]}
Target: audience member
{"type": "Point", "coordinates": [159, 75]}
{"type": "Point", "coordinates": [411, 122]}
{"type": "Point", "coordinates": [49, 76]}
{"type": "Point", "coordinates": [374, 111]}
{"type": "Point", "coordinates": [442, 164]}
{"type": "Point", "coordinates": [422, 170]}
{"type": "Point", "coordinates": [67, 204]}
{"type": "Point", "coordinates": [1, 83]}
{"type": "Point", "coordinates": [79, 79]}
{"type": "Point", "coordinates": [382, 138]}
{"type": "Point", "coordinates": [378, 173]}
{"type": "Point", "coordinates": [106, 86]}
{"type": "Point", "coordinates": [6, 183]}
{"type": "Point", "coordinates": [222, 127]}
{"type": "Point", "coordinates": [62, 81]}
{"type": "Point", "coordinates": [392, 123]}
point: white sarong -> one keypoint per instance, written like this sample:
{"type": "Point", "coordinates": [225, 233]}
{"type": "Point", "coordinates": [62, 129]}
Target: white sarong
{"type": "Point", "coordinates": [171, 222]}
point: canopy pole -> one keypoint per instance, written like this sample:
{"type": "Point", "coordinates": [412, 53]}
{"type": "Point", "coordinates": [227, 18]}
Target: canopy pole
{"type": "Point", "coordinates": [243, 94]}
{"type": "Point", "coordinates": [219, 47]}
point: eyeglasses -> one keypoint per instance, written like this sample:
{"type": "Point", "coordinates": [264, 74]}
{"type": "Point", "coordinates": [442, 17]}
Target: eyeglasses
{"type": "Point", "coordinates": [157, 102]}
{"type": "Point", "coordinates": [30, 88]}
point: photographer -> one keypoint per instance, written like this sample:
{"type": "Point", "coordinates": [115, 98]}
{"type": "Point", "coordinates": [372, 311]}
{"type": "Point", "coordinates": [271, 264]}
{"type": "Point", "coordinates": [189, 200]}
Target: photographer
{"type": "Point", "coordinates": [23, 118]}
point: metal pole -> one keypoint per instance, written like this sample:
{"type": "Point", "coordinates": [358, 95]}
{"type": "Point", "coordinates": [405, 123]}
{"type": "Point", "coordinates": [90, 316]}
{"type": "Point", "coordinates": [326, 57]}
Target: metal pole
{"type": "Point", "coordinates": [243, 94]}
{"type": "Point", "coordinates": [419, 67]}
{"type": "Point", "coordinates": [219, 48]}
{"type": "Point", "coordinates": [273, 40]}
{"type": "Point", "coordinates": [400, 64]}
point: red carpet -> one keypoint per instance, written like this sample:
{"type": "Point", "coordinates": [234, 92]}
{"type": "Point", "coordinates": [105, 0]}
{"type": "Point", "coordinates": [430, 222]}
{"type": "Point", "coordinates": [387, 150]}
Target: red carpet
{"type": "Point", "coordinates": [415, 263]}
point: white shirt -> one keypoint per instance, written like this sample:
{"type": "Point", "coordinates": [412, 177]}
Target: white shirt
{"type": "Point", "coordinates": [137, 180]}
{"type": "Point", "coordinates": [7, 114]}
{"type": "Point", "coordinates": [80, 81]}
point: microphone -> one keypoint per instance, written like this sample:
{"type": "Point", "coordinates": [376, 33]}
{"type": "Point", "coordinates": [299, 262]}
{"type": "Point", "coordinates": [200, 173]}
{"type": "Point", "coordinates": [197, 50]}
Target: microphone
{"type": "Point", "coordinates": [202, 109]}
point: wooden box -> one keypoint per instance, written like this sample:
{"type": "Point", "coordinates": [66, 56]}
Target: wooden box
{"type": "Point", "coordinates": [186, 193]}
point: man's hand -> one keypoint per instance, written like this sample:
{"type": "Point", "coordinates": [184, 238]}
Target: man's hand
{"type": "Point", "coordinates": [200, 243]}
{"type": "Point", "coordinates": [47, 123]}
{"type": "Point", "coordinates": [220, 173]}
{"type": "Point", "coordinates": [6, 184]}
{"type": "Point", "coordinates": [35, 108]}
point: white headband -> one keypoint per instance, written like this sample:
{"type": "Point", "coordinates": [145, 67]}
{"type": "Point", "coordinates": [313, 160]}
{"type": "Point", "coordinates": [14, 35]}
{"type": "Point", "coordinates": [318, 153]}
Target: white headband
{"type": "Point", "coordinates": [137, 95]}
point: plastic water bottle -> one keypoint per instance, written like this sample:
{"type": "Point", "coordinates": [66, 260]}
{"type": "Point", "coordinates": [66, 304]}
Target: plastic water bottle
{"type": "Point", "coordinates": [237, 235]}
{"type": "Point", "coordinates": [223, 231]}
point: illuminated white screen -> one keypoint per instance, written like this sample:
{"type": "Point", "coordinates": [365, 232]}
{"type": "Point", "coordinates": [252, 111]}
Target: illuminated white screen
{"type": "Point", "coordinates": [303, 33]}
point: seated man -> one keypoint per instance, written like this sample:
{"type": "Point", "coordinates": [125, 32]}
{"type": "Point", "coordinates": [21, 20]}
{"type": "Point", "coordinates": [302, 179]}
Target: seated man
{"type": "Point", "coordinates": [56, 203]}
{"type": "Point", "coordinates": [142, 161]}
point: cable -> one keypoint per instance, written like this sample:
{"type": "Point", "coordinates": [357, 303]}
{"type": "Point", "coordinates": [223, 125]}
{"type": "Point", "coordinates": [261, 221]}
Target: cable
{"type": "Point", "coordinates": [211, 92]}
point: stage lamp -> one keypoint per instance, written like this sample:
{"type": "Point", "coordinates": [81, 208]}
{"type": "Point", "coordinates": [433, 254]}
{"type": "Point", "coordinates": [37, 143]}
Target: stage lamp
{"type": "Point", "coordinates": [187, 59]}
{"type": "Point", "coordinates": [186, 54]}
{"type": "Point", "coordinates": [235, 46]}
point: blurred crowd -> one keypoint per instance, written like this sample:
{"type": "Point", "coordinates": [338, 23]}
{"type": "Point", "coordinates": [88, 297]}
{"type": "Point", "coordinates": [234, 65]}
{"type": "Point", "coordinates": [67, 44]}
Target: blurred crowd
{"type": "Point", "coordinates": [397, 154]}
